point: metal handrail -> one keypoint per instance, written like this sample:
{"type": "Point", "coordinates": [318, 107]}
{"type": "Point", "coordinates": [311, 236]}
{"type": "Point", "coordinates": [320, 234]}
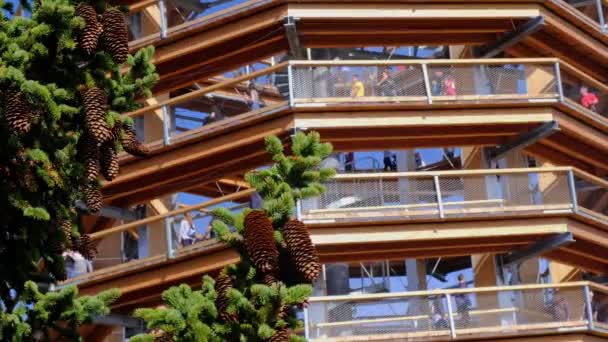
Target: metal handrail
{"type": "Point", "coordinates": [585, 322]}
{"type": "Point", "coordinates": [558, 68]}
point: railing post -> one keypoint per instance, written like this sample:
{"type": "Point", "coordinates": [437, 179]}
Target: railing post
{"type": "Point", "coordinates": [600, 14]}
{"type": "Point", "coordinates": [572, 188]}
{"type": "Point", "coordinates": [427, 83]}
{"type": "Point", "coordinates": [558, 81]}
{"type": "Point", "coordinates": [291, 87]}
{"type": "Point", "coordinates": [588, 308]}
{"type": "Point", "coordinates": [163, 18]}
{"type": "Point", "coordinates": [166, 125]}
{"type": "Point", "coordinates": [169, 237]}
{"type": "Point", "coordinates": [306, 324]}
{"type": "Point", "coordinates": [448, 298]}
{"type": "Point", "coordinates": [439, 200]}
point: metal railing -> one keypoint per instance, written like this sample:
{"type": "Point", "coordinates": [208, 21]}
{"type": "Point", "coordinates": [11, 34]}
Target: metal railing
{"type": "Point", "coordinates": [317, 83]}
{"type": "Point", "coordinates": [457, 194]}
{"type": "Point", "coordinates": [154, 239]}
{"type": "Point", "coordinates": [596, 10]}
{"type": "Point", "coordinates": [324, 83]}
{"type": "Point", "coordinates": [458, 313]}
{"type": "Point", "coordinates": [153, 20]}
{"type": "Point", "coordinates": [366, 197]}
{"type": "Point", "coordinates": [218, 104]}
{"type": "Point", "coordinates": [150, 20]}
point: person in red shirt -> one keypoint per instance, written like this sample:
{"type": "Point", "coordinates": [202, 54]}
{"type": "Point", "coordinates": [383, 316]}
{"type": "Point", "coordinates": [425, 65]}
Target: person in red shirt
{"type": "Point", "coordinates": [449, 85]}
{"type": "Point", "coordinates": [588, 99]}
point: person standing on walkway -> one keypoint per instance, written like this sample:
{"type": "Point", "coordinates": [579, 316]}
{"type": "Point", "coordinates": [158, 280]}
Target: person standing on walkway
{"type": "Point", "coordinates": [357, 88]}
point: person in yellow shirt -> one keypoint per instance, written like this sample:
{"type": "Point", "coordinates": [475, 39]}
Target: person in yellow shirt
{"type": "Point", "coordinates": [357, 88]}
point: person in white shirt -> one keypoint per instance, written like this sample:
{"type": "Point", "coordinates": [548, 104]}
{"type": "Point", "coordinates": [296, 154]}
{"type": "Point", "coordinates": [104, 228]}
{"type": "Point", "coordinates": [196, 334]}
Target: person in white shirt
{"type": "Point", "coordinates": [187, 233]}
{"type": "Point", "coordinates": [76, 264]}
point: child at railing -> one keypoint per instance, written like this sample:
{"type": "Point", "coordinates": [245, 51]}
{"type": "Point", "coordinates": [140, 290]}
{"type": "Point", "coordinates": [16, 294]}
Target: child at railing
{"type": "Point", "coordinates": [588, 99]}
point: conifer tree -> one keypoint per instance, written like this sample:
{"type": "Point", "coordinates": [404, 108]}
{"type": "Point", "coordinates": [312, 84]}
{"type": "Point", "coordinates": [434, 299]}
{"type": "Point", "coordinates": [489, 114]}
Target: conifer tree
{"type": "Point", "coordinates": [256, 299]}
{"type": "Point", "coordinates": [62, 96]}
{"type": "Point", "coordinates": [52, 316]}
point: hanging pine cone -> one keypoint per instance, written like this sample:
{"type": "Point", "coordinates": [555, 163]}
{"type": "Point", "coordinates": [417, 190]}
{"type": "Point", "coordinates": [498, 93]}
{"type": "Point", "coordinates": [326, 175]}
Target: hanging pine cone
{"type": "Point", "coordinates": [270, 278]}
{"type": "Point", "coordinates": [93, 198]}
{"type": "Point", "coordinates": [281, 335]}
{"type": "Point", "coordinates": [301, 249]}
{"type": "Point", "coordinates": [223, 283]}
{"type": "Point", "coordinates": [95, 108]}
{"type": "Point", "coordinates": [85, 246]}
{"type": "Point", "coordinates": [115, 35]}
{"type": "Point", "coordinates": [90, 154]}
{"type": "Point", "coordinates": [259, 241]}
{"type": "Point", "coordinates": [89, 36]}
{"type": "Point", "coordinates": [109, 162]}
{"type": "Point", "coordinates": [66, 228]}
{"type": "Point", "coordinates": [164, 337]}
{"type": "Point", "coordinates": [283, 312]}
{"type": "Point", "coordinates": [116, 130]}
{"type": "Point", "coordinates": [18, 115]}
{"type": "Point", "coordinates": [131, 144]}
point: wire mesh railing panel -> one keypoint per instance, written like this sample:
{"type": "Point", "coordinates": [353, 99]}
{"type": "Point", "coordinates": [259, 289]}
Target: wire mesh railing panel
{"type": "Point", "coordinates": [415, 317]}
{"type": "Point", "coordinates": [130, 245]}
{"type": "Point", "coordinates": [391, 82]}
{"type": "Point", "coordinates": [599, 308]}
{"type": "Point", "coordinates": [519, 311]}
{"type": "Point", "coordinates": [592, 198]}
{"type": "Point", "coordinates": [162, 17]}
{"type": "Point", "coordinates": [593, 9]}
{"type": "Point", "coordinates": [584, 95]}
{"type": "Point", "coordinates": [344, 83]}
{"type": "Point", "coordinates": [119, 250]}
{"type": "Point", "coordinates": [200, 110]}
{"type": "Point", "coordinates": [374, 199]}
{"type": "Point", "coordinates": [510, 81]}
{"type": "Point", "coordinates": [455, 314]}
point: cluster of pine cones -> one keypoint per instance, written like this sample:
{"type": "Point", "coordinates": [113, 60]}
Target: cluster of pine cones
{"type": "Point", "coordinates": [110, 28]}
{"type": "Point", "coordinates": [264, 254]}
{"type": "Point", "coordinates": [98, 146]}
{"type": "Point", "coordinates": [82, 244]}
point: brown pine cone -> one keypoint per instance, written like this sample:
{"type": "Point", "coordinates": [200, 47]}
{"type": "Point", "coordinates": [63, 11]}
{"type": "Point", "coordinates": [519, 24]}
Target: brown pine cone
{"type": "Point", "coordinates": [271, 278]}
{"type": "Point", "coordinates": [109, 162]}
{"type": "Point", "coordinates": [115, 35]}
{"type": "Point", "coordinates": [89, 36]}
{"type": "Point", "coordinates": [302, 251]}
{"type": "Point", "coordinates": [223, 283]}
{"type": "Point", "coordinates": [164, 337]}
{"type": "Point", "coordinates": [18, 114]}
{"type": "Point", "coordinates": [90, 154]}
{"type": "Point", "coordinates": [85, 246]}
{"type": "Point", "coordinates": [95, 108]}
{"type": "Point", "coordinates": [93, 198]}
{"type": "Point", "coordinates": [284, 311]}
{"type": "Point", "coordinates": [130, 143]}
{"type": "Point", "coordinates": [260, 243]}
{"type": "Point", "coordinates": [66, 228]}
{"type": "Point", "coordinates": [281, 335]}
